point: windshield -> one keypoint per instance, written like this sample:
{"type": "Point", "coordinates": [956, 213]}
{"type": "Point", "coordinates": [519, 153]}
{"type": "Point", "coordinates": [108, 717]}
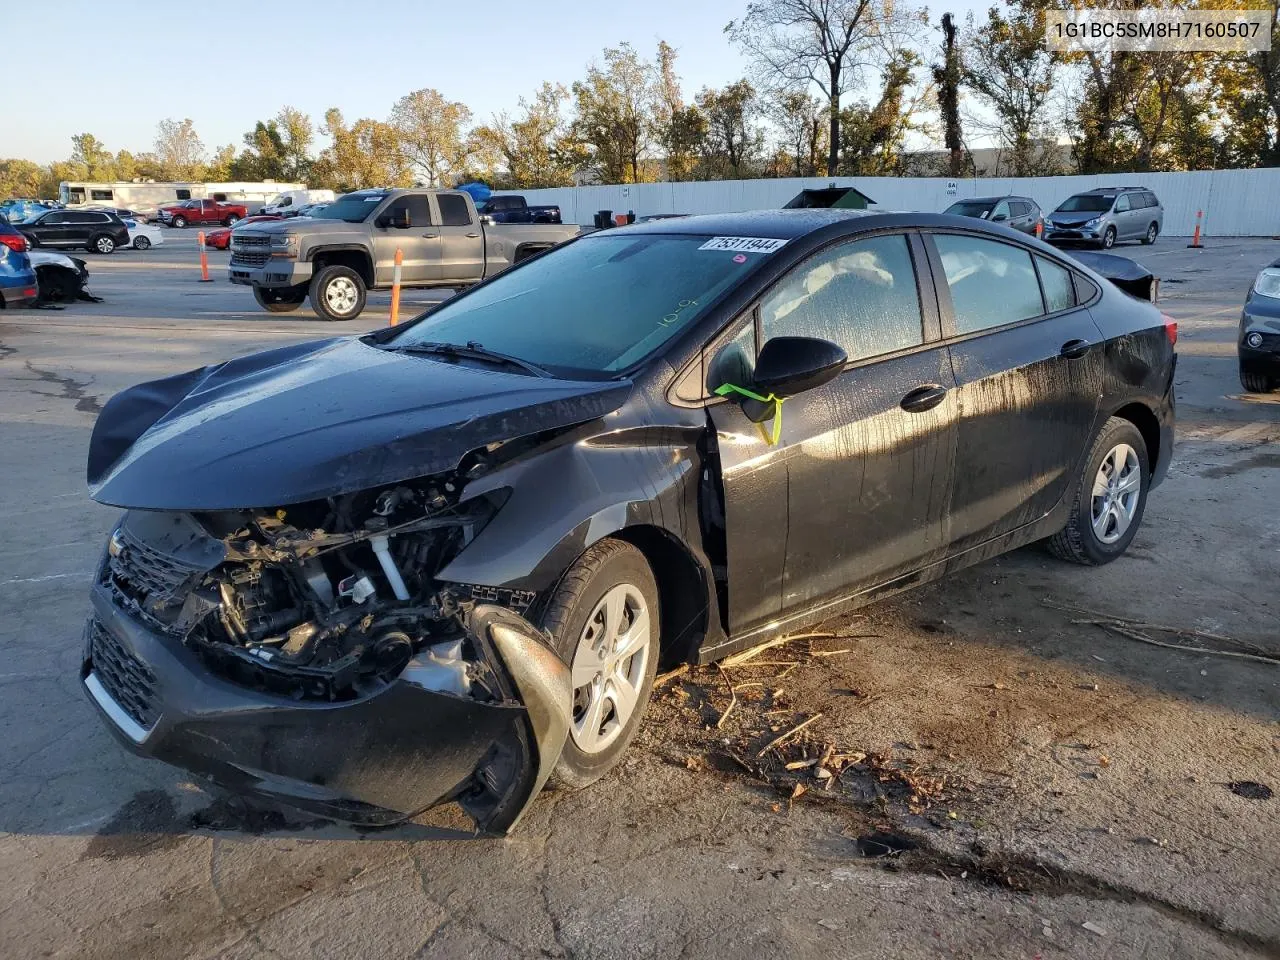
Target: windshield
{"type": "Point", "coordinates": [354, 207]}
{"type": "Point", "coordinates": [594, 307]}
{"type": "Point", "coordinates": [1087, 203]}
{"type": "Point", "coordinates": [971, 208]}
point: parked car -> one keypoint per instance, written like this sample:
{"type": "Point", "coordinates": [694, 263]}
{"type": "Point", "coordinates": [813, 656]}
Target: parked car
{"type": "Point", "coordinates": [16, 211]}
{"type": "Point", "coordinates": [1019, 213]}
{"type": "Point", "coordinates": [201, 212]}
{"type": "Point", "coordinates": [337, 259]}
{"type": "Point", "coordinates": [1105, 216]}
{"type": "Point", "coordinates": [17, 277]}
{"type": "Point", "coordinates": [125, 214]}
{"type": "Point", "coordinates": [443, 560]}
{"type": "Point", "coordinates": [288, 203]}
{"type": "Point", "coordinates": [315, 210]}
{"type": "Point", "coordinates": [143, 236]}
{"type": "Point", "coordinates": [512, 208]}
{"type": "Point", "coordinates": [221, 239]}
{"type": "Point", "coordinates": [1258, 344]}
{"type": "Point", "coordinates": [94, 230]}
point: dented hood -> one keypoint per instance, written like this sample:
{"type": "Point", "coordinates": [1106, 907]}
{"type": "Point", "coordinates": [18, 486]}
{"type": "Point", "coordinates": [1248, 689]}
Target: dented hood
{"type": "Point", "coordinates": [316, 420]}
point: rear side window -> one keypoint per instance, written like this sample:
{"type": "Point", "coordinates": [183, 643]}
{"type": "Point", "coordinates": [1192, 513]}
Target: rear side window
{"type": "Point", "coordinates": [453, 210]}
{"type": "Point", "coordinates": [991, 283]}
{"type": "Point", "coordinates": [1059, 294]}
{"type": "Point", "coordinates": [861, 295]}
{"type": "Point", "coordinates": [1151, 200]}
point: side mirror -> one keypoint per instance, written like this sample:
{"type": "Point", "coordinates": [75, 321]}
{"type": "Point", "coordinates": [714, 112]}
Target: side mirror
{"type": "Point", "coordinates": [791, 365]}
{"type": "Point", "coordinates": [487, 219]}
{"type": "Point", "coordinates": [1000, 216]}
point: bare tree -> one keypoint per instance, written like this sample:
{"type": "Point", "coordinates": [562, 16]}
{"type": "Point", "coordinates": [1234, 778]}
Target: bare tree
{"type": "Point", "coordinates": [822, 43]}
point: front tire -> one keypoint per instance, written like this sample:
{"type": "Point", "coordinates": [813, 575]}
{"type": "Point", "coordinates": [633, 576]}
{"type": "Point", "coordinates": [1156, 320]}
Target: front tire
{"type": "Point", "coordinates": [1152, 232]}
{"type": "Point", "coordinates": [231, 221]}
{"type": "Point", "coordinates": [1109, 238]}
{"type": "Point", "coordinates": [1255, 382]}
{"type": "Point", "coordinates": [141, 243]}
{"type": "Point", "coordinates": [604, 620]}
{"type": "Point", "coordinates": [284, 301]}
{"type": "Point", "coordinates": [337, 293]}
{"type": "Point", "coordinates": [1109, 500]}
{"type": "Point", "coordinates": [179, 222]}
{"type": "Point", "coordinates": [102, 244]}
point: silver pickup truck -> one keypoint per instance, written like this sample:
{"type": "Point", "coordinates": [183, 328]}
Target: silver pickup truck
{"type": "Point", "coordinates": [351, 249]}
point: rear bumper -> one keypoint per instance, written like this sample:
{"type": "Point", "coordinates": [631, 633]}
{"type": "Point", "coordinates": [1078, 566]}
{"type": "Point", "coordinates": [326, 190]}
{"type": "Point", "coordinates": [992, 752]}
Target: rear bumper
{"type": "Point", "coordinates": [1167, 416]}
{"type": "Point", "coordinates": [376, 760]}
{"type": "Point", "coordinates": [19, 294]}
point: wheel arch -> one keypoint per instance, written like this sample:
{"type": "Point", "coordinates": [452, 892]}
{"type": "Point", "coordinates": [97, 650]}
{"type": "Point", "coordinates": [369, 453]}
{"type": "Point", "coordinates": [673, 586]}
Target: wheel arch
{"type": "Point", "coordinates": [355, 257]}
{"type": "Point", "coordinates": [684, 612]}
{"type": "Point", "coordinates": [1148, 424]}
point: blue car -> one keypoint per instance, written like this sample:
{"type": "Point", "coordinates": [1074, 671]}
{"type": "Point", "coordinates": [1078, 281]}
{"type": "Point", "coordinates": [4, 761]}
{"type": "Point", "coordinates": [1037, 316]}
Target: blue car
{"type": "Point", "coordinates": [17, 276]}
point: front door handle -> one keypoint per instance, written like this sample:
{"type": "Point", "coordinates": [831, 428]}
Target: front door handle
{"type": "Point", "coordinates": [1074, 349]}
{"type": "Point", "coordinates": [923, 398]}
{"type": "Point", "coordinates": [430, 236]}
{"type": "Point", "coordinates": [473, 235]}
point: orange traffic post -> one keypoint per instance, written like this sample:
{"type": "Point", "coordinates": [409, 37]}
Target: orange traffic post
{"type": "Point", "coordinates": [1039, 229]}
{"type": "Point", "coordinates": [204, 259]}
{"type": "Point", "coordinates": [395, 287]}
{"type": "Point", "coordinates": [1195, 239]}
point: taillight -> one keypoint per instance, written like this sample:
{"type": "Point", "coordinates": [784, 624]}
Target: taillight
{"type": "Point", "coordinates": [1170, 329]}
{"type": "Point", "coordinates": [14, 241]}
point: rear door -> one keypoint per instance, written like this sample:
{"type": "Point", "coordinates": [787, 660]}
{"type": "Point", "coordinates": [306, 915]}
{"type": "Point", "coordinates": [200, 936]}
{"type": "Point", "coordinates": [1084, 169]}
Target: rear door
{"type": "Point", "coordinates": [419, 243]}
{"type": "Point", "coordinates": [1026, 359]}
{"type": "Point", "coordinates": [855, 491]}
{"type": "Point", "coordinates": [80, 227]}
{"type": "Point", "coordinates": [461, 242]}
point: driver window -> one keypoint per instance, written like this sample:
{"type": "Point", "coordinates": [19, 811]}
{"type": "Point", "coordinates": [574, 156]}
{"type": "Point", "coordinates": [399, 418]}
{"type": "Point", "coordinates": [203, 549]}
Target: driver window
{"type": "Point", "coordinates": [1001, 212]}
{"type": "Point", "coordinates": [1122, 204]}
{"type": "Point", "coordinates": [417, 207]}
{"type": "Point", "coordinates": [860, 295]}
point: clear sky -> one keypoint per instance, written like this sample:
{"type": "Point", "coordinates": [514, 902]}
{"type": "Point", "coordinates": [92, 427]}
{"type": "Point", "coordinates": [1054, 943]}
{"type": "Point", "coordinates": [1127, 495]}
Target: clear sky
{"type": "Point", "coordinates": [116, 68]}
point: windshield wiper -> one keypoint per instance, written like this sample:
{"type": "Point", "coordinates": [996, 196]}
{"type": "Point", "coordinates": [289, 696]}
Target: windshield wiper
{"type": "Point", "coordinates": [471, 351]}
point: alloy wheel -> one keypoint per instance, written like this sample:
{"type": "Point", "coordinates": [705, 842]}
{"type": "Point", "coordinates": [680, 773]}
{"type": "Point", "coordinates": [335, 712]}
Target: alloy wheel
{"type": "Point", "coordinates": [1115, 493]}
{"type": "Point", "coordinates": [105, 244]}
{"type": "Point", "coordinates": [609, 667]}
{"type": "Point", "coordinates": [341, 295]}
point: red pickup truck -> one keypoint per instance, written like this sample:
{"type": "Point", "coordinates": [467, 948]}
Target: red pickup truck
{"type": "Point", "coordinates": [200, 211]}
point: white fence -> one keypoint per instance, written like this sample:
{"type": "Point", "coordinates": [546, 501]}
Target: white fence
{"type": "Point", "coordinates": [1236, 203]}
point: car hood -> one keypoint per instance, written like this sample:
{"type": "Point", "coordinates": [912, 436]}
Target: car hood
{"type": "Point", "coordinates": [1074, 219]}
{"type": "Point", "coordinates": [316, 420]}
{"type": "Point", "coordinates": [291, 225]}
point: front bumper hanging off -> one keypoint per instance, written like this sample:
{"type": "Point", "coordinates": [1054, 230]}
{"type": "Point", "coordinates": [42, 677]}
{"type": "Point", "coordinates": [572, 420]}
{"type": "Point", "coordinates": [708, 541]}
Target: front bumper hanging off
{"type": "Point", "coordinates": [376, 760]}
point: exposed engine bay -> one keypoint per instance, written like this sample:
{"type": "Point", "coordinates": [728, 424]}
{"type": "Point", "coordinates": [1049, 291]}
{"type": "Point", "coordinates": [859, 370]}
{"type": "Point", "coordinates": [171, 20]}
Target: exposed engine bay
{"type": "Point", "coordinates": [326, 600]}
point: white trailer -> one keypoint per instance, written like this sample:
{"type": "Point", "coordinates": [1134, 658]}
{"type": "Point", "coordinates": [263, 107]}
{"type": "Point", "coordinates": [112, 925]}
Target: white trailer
{"type": "Point", "coordinates": [146, 195]}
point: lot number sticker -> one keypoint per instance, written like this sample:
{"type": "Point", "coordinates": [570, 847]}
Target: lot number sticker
{"type": "Point", "coordinates": [744, 244]}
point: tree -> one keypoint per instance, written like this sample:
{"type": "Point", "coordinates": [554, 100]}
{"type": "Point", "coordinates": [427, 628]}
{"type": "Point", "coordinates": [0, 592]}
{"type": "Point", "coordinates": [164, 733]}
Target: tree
{"type": "Point", "coordinates": [88, 151]}
{"type": "Point", "coordinates": [829, 44]}
{"type": "Point", "coordinates": [537, 148]}
{"type": "Point", "coordinates": [179, 152]}
{"type": "Point", "coordinates": [20, 178]}
{"type": "Point", "coordinates": [680, 129]}
{"type": "Point", "coordinates": [802, 132]}
{"type": "Point", "coordinates": [1008, 68]}
{"type": "Point", "coordinates": [366, 154]}
{"type": "Point", "coordinates": [946, 77]}
{"type": "Point", "coordinates": [615, 115]}
{"type": "Point", "coordinates": [874, 134]}
{"type": "Point", "coordinates": [1246, 91]}
{"type": "Point", "coordinates": [733, 140]}
{"type": "Point", "coordinates": [431, 131]}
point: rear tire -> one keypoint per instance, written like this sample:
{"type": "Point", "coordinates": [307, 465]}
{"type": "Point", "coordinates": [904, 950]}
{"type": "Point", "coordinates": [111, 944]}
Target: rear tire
{"type": "Point", "coordinates": [1152, 232]}
{"type": "Point", "coordinates": [141, 243]}
{"type": "Point", "coordinates": [231, 221]}
{"type": "Point", "coordinates": [102, 243]}
{"type": "Point", "coordinates": [284, 301]}
{"type": "Point", "coordinates": [1103, 519]}
{"type": "Point", "coordinates": [611, 578]}
{"type": "Point", "coordinates": [337, 293]}
{"type": "Point", "coordinates": [1255, 382]}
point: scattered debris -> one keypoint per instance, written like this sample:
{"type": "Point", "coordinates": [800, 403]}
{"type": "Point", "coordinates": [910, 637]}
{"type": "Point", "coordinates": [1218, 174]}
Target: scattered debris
{"type": "Point", "coordinates": [1094, 928]}
{"type": "Point", "coordinates": [1250, 790]}
{"type": "Point", "coordinates": [829, 924]}
{"type": "Point", "coordinates": [881, 843]}
{"type": "Point", "coordinates": [662, 678]}
{"type": "Point", "coordinates": [733, 697]}
{"type": "Point", "coordinates": [784, 737]}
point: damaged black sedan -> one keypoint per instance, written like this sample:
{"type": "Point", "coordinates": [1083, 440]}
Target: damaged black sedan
{"type": "Point", "coordinates": [443, 561]}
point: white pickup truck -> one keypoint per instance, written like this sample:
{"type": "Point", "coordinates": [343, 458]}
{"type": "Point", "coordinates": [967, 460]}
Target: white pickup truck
{"type": "Point", "coordinates": [351, 249]}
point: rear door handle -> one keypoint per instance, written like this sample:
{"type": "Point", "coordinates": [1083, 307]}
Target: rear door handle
{"type": "Point", "coordinates": [1074, 349]}
{"type": "Point", "coordinates": [923, 398]}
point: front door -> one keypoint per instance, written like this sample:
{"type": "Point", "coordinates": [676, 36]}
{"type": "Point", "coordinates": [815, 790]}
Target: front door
{"type": "Point", "coordinates": [419, 243]}
{"type": "Point", "coordinates": [461, 242]}
{"type": "Point", "coordinates": [855, 491]}
{"type": "Point", "coordinates": [1024, 355]}
{"type": "Point", "coordinates": [53, 229]}
{"type": "Point", "coordinates": [1125, 217]}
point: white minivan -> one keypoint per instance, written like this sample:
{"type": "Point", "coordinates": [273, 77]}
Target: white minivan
{"type": "Point", "coordinates": [287, 203]}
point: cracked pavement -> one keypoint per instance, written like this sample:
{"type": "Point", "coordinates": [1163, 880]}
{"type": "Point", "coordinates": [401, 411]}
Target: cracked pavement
{"type": "Point", "coordinates": [676, 855]}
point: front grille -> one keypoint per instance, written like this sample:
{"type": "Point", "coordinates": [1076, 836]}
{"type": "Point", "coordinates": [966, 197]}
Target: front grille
{"type": "Point", "coordinates": [252, 240]}
{"type": "Point", "coordinates": [145, 580]}
{"type": "Point", "coordinates": [250, 258]}
{"type": "Point", "coordinates": [127, 679]}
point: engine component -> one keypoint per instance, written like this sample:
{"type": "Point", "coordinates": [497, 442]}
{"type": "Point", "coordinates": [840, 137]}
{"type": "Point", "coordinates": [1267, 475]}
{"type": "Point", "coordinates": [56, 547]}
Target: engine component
{"type": "Point", "coordinates": [383, 552]}
{"type": "Point", "coordinates": [441, 668]}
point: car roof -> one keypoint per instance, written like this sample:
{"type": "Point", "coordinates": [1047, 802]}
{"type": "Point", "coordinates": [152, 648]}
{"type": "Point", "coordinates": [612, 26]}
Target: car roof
{"type": "Point", "coordinates": [1003, 196]}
